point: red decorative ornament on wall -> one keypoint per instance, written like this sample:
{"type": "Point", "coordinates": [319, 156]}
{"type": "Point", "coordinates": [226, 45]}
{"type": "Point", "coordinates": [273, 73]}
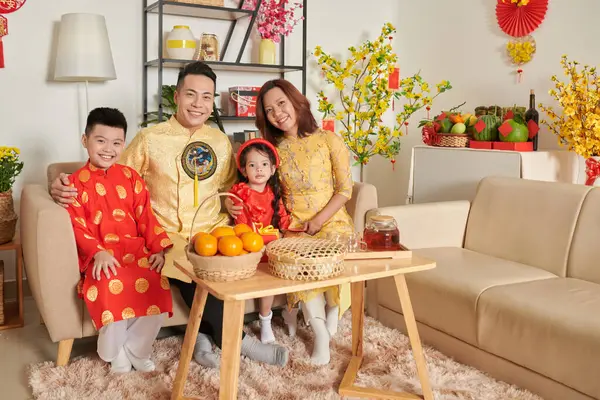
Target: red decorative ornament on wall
{"type": "Point", "coordinates": [522, 17]}
{"type": "Point", "coordinates": [7, 7]}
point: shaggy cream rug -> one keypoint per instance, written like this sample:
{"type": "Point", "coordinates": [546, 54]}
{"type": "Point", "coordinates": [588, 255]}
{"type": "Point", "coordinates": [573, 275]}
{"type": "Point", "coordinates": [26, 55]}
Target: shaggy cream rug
{"type": "Point", "coordinates": [388, 364]}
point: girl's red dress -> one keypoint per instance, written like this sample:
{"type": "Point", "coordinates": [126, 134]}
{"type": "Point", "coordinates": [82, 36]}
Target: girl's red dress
{"type": "Point", "coordinates": [260, 206]}
{"type": "Point", "coordinates": [112, 212]}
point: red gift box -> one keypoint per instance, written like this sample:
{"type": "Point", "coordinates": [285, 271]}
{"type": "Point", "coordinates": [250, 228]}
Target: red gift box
{"type": "Point", "coordinates": [243, 100]}
{"type": "Point", "coordinates": [474, 144]}
{"type": "Point", "coordinates": [517, 146]}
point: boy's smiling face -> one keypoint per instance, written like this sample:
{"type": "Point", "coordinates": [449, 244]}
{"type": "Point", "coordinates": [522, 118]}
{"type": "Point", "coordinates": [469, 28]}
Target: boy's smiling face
{"type": "Point", "coordinates": [104, 145]}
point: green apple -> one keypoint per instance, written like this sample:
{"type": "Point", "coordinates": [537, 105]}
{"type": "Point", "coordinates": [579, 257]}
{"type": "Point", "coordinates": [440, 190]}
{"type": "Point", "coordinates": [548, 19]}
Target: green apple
{"type": "Point", "coordinates": [459, 128]}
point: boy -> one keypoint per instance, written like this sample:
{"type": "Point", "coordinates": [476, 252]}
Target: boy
{"type": "Point", "coordinates": [121, 246]}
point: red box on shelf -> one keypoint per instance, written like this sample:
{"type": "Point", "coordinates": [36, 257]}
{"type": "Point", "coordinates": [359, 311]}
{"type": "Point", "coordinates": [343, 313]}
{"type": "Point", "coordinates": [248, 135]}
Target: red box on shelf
{"type": "Point", "coordinates": [473, 144]}
{"type": "Point", "coordinates": [519, 146]}
{"type": "Point", "coordinates": [243, 100]}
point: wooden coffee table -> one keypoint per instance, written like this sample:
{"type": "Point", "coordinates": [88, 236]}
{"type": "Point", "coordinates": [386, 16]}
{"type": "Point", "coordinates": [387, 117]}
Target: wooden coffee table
{"type": "Point", "coordinates": [235, 294]}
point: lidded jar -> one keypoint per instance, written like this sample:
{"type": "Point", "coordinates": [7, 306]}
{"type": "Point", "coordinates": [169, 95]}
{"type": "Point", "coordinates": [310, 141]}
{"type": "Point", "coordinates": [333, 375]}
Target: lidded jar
{"type": "Point", "coordinates": [381, 233]}
{"type": "Point", "coordinates": [181, 43]}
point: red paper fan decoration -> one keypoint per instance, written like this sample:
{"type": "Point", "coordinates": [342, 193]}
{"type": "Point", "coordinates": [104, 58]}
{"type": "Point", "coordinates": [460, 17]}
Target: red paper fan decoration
{"type": "Point", "coordinates": [519, 21]}
{"type": "Point", "coordinates": [8, 6]}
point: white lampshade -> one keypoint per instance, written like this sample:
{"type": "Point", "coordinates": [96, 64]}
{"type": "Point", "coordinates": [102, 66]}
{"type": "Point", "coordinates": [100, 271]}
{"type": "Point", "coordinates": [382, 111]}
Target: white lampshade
{"type": "Point", "coordinates": [83, 51]}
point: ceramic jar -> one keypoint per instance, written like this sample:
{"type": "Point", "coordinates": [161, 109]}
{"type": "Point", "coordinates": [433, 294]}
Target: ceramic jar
{"type": "Point", "coordinates": [181, 44]}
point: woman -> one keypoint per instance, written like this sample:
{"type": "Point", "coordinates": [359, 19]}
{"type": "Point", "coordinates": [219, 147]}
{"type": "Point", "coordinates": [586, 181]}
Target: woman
{"type": "Point", "coordinates": [316, 184]}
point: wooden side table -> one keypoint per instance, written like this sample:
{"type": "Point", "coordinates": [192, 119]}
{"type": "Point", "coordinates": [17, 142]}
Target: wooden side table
{"type": "Point", "coordinates": [234, 294]}
{"type": "Point", "coordinates": [13, 311]}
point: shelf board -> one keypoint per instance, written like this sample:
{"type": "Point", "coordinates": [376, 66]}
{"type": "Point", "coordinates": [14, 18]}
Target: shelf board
{"type": "Point", "coordinates": [199, 10]}
{"type": "Point", "coordinates": [227, 66]}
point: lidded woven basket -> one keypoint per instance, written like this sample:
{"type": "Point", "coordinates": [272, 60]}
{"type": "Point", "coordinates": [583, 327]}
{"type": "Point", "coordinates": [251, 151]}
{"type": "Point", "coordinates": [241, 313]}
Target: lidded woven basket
{"type": "Point", "coordinates": [306, 259]}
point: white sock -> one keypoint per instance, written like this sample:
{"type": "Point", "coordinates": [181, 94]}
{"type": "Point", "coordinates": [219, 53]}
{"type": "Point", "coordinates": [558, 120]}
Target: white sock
{"type": "Point", "coordinates": [320, 354]}
{"type": "Point", "coordinates": [121, 363]}
{"type": "Point", "coordinates": [268, 353]}
{"type": "Point", "coordinates": [291, 320]}
{"type": "Point", "coordinates": [332, 319]}
{"type": "Point", "coordinates": [203, 352]}
{"type": "Point", "coordinates": [140, 364]}
{"type": "Point", "coordinates": [266, 331]}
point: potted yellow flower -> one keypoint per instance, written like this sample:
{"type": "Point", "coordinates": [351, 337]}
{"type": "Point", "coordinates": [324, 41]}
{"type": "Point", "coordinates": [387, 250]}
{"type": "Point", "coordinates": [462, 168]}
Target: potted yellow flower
{"type": "Point", "coordinates": [365, 95]}
{"type": "Point", "coordinates": [10, 168]}
{"type": "Point", "coordinates": [578, 126]}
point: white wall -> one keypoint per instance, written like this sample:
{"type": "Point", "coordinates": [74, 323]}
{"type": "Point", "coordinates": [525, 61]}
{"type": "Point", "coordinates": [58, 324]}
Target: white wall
{"type": "Point", "coordinates": [463, 44]}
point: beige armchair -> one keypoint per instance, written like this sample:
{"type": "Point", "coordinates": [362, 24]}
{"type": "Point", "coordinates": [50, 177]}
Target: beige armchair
{"type": "Point", "coordinates": [50, 257]}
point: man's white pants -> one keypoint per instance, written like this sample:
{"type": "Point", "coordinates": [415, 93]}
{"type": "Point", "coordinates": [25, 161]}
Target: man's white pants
{"type": "Point", "coordinates": [138, 334]}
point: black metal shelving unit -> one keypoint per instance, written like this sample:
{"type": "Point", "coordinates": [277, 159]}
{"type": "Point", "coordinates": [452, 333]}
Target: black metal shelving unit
{"type": "Point", "coordinates": [163, 7]}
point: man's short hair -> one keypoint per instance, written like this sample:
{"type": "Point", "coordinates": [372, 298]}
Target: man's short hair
{"type": "Point", "coordinates": [196, 68]}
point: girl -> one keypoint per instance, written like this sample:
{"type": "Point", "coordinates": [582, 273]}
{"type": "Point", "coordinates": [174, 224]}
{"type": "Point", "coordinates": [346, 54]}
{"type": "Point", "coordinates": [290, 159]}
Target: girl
{"type": "Point", "coordinates": [317, 183]}
{"type": "Point", "coordinates": [257, 163]}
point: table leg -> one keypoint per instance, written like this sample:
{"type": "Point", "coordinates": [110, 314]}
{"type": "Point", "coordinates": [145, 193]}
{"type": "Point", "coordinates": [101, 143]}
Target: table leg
{"type": "Point", "coordinates": [187, 349]}
{"type": "Point", "coordinates": [19, 260]}
{"type": "Point", "coordinates": [233, 323]}
{"type": "Point", "coordinates": [358, 321]}
{"type": "Point", "coordinates": [413, 335]}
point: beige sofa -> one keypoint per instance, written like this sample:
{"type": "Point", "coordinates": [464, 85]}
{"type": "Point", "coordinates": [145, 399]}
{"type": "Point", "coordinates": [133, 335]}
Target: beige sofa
{"type": "Point", "coordinates": [516, 291]}
{"type": "Point", "coordinates": [50, 257]}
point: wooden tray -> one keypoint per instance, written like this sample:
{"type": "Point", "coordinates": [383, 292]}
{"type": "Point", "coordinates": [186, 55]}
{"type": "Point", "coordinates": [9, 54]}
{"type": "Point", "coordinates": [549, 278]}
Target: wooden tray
{"type": "Point", "coordinates": [377, 255]}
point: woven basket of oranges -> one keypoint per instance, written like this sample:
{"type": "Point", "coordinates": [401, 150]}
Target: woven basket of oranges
{"type": "Point", "coordinates": [225, 253]}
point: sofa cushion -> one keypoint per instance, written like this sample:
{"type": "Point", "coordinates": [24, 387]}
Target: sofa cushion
{"type": "Point", "coordinates": [446, 297]}
{"type": "Point", "coordinates": [585, 252]}
{"type": "Point", "coordinates": [551, 326]}
{"type": "Point", "coordinates": [517, 219]}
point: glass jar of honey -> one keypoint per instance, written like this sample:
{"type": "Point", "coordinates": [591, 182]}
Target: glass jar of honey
{"type": "Point", "coordinates": [381, 233]}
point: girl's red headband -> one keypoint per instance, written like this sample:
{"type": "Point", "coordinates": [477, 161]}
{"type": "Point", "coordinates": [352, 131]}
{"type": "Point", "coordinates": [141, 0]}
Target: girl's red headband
{"type": "Point", "coordinates": [255, 141]}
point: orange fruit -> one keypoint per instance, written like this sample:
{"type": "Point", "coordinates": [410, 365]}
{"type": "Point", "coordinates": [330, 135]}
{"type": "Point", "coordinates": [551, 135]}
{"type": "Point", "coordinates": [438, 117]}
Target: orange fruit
{"type": "Point", "coordinates": [230, 246]}
{"type": "Point", "coordinates": [197, 235]}
{"type": "Point", "coordinates": [243, 252]}
{"type": "Point", "coordinates": [252, 241]}
{"type": "Point", "coordinates": [221, 231]}
{"type": "Point", "coordinates": [205, 245]}
{"type": "Point", "coordinates": [240, 229]}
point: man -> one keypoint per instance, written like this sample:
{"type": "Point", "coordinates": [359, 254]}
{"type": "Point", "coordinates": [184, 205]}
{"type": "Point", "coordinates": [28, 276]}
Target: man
{"type": "Point", "coordinates": [167, 157]}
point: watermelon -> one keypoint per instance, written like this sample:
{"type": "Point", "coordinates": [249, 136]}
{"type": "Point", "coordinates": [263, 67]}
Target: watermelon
{"type": "Point", "coordinates": [490, 132]}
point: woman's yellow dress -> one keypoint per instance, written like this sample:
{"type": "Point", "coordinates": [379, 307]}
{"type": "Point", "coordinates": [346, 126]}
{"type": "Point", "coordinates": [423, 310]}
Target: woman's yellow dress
{"type": "Point", "coordinates": [312, 170]}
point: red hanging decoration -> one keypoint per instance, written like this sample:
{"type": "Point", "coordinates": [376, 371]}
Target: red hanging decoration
{"type": "Point", "coordinates": [3, 32]}
{"type": "Point", "coordinates": [393, 161]}
{"type": "Point", "coordinates": [394, 79]}
{"type": "Point", "coordinates": [8, 6]}
{"type": "Point", "coordinates": [393, 105]}
{"type": "Point", "coordinates": [516, 19]}
{"type": "Point", "coordinates": [428, 109]}
{"type": "Point", "coordinates": [406, 126]}
{"type": "Point", "coordinates": [592, 170]}
{"type": "Point", "coordinates": [519, 75]}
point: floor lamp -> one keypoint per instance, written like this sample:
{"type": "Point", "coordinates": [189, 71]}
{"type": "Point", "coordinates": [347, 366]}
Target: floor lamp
{"type": "Point", "coordinates": [83, 51]}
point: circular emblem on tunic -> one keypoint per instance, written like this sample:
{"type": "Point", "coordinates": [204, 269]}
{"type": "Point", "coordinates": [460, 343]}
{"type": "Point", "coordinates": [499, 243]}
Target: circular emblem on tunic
{"type": "Point", "coordinates": [128, 313]}
{"type": "Point", "coordinates": [107, 318]}
{"type": "Point", "coordinates": [200, 158]}
{"type": "Point", "coordinates": [164, 282]}
{"type": "Point", "coordinates": [92, 293]}
{"type": "Point", "coordinates": [143, 262]}
{"type": "Point", "coordinates": [141, 285]}
{"type": "Point", "coordinates": [153, 310]}
{"type": "Point", "coordinates": [115, 286]}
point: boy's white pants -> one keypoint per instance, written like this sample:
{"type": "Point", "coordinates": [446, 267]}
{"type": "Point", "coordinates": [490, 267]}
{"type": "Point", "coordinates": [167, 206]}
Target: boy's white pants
{"type": "Point", "coordinates": [138, 334]}
{"type": "Point", "coordinates": [315, 308]}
